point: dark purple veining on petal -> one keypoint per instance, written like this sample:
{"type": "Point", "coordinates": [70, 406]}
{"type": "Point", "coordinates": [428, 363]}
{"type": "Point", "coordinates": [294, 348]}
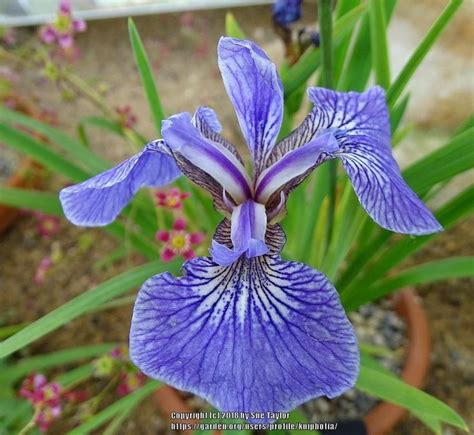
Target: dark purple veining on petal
{"type": "Point", "coordinates": [185, 140]}
{"type": "Point", "coordinates": [255, 89]}
{"type": "Point", "coordinates": [363, 131]}
{"type": "Point", "coordinates": [293, 164]}
{"type": "Point", "coordinates": [263, 335]}
{"type": "Point", "coordinates": [206, 121]}
{"type": "Point", "coordinates": [98, 200]}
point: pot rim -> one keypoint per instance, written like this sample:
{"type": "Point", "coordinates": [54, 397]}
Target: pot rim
{"type": "Point", "coordinates": [384, 416]}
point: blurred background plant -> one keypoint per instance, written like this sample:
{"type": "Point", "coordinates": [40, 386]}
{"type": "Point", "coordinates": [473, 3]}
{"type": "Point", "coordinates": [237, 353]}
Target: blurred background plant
{"type": "Point", "coordinates": [326, 226]}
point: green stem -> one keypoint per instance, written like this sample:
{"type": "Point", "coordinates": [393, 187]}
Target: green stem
{"type": "Point", "coordinates": [421, 51]}
{"type": "Point", "coordinates": [31, 424]}
{"type": "Point", "coordinates": [325, 28]}
{"type": "Point", "coordinates": [89, 92]}
{"type": "Point", "coordinates": [378, 42]}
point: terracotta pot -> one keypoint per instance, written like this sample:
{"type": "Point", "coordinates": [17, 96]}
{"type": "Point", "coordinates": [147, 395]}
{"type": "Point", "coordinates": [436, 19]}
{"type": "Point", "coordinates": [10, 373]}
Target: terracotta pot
{"type": "Point", "coordinates": [28, 175]}
{"type": "Point", "coordinates": [383, 417]}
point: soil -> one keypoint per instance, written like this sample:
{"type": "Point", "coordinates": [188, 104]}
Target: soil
{"type": "Point", "coordinates": [184, 61]}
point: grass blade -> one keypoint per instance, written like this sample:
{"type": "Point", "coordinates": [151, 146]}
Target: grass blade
{"type": "Point", "coordinates": [391, 389]}
{"type": "Point", "coordinates": [421, 51]}
{"type": "Point", "coordinates": [442, 164]}
{"type": "Point", "coordinates": [75, 376]}
{"type": "Point", "coordinates": [146, 74]}
{"type": "Point", "coordinates": [378, 43]}
{"type": "Point", "coordinates": [83, 303]}
{"type": "Point", "coordinates": [356, 71]}
{"type": "Point", "coordinates": [41, 153]}
{"type": "Point", "coordinates": [438, 270]}
{"type": "Point", "coordinates": [122, 405]}
{"type": "Point", "coordinates": [45, 202]}
{"type": "Point", "coordinates": [457, 208]}
{"type": "Point", "coordinates": [91, 161]}
{"type": "Point", "coordinates": [396, 114]}
{"type": "Point", "coordinates": [232, 27]}
{"type": "Point", "coordinates": [53, 359]}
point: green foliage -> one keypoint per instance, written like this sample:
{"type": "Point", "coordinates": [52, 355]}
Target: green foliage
{"type": "Point", "coordinates": [74, 149]}
{"type": "Point", "coordinates": [42, 153]}
{"type": "Point", "coordinates": [146, 75]}
{"type": "Point", "coordinates": [120, 407]}
{"type": "Point", "coordinates": [454, 267]}
{"type": "Point", "coordinates": [44, 202]}
{"type": "Point", "coordinates": [82, 304]}
{"type": "Point", "coordinates": [378, 42]}
{"type": "Point", "coordinates": [232, 27]}
{"type": "Point", "coordinates": [42, 362]}
{"type": "Point", "coordinates": [421, 51]}
{"type": "Point", "coordinates": [391, 389]}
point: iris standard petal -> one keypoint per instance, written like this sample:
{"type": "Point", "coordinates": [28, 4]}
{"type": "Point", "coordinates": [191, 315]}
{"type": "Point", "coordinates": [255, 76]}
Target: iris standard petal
{"type": "Point", "coordinates": [293, 165]}
{"type": "Point", "coordinates": [248, 227]}
{"type": "Point", "coordinates": [253, 85]}
{"type": "Point", "coordinates": [185, 140]}
{"type": "Point", "coordinates": [206, 121]}
{"type": "Point", "coordinates": [262, 335]}
{"type": "Point", "coordinates": [362, 125]}
{"type": "Point", "coordinates": [99, 200]}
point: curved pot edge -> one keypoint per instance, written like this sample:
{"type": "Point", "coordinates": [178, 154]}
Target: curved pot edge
{"type": "Point", "coordinates": [385, 416]}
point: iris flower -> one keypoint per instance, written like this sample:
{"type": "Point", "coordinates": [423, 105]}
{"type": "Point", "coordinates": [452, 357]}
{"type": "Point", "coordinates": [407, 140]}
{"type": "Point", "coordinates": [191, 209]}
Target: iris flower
{"type": "Point", "coordinates": [243, 328]}
{"type": "Point", "coordinates": [286, 12]}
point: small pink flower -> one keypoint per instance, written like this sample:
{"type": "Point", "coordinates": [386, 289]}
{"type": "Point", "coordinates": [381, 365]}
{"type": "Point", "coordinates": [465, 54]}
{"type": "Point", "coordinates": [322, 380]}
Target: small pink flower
{"type": "Point", "coordinates": [44, 396]}
{"type": "Point", "coordinates": [178, 241]}
{"type": "Point", "coordinates": [38, 391]}
{"type": "Point", "coordinates": [31, 387]}
{"type": "Point", "coordinates": [119, 353]}
{"type": "Point", "coordinates": [79, 26]}
{"type": "Point", "coordinates": [40, 273]}
{"type": "Point", "coordinates": [126, 117]}
{"type": "Point", "coordinates": [46, 416]}
{"type": "Point", "coordinates": [172, 198]}
{"type": "Point", "coordinates": [48, 225]}
{"type": "Point", "coordinates": [65, 7]}
{"type": "Point", "coordinates": [70, 54]}
{"type": "Point", "coordinates": [129, 382]}
{"type": "Point", "coordinates": [65, 40]}
{"type": "Point", "coordinates": [63, 30]}
{"type": "Point", "coordinates": [47, 34]}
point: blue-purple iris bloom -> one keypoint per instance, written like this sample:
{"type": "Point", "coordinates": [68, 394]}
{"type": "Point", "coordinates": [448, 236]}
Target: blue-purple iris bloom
{"type": "Point", "coordinates": [244, 328]}
{"type": "Point", "coordinates": [286, 12]}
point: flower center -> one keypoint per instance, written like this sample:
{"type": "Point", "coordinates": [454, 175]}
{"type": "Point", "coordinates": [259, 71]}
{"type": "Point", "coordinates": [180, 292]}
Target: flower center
{"type": "Point", "coordinates": [172, 201]}
{"type": "Point", "coordinates": [178, 241]}
{"type": "Point", "coordinates": [63, 23]}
